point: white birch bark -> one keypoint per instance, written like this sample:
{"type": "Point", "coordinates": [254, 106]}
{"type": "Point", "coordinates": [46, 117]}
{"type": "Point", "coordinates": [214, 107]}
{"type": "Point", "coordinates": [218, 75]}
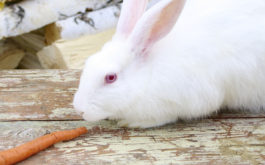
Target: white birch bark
{"type": "Point", "coordinates": [29, 15]}
{"type": "Point", "coordinates": [89, 23]}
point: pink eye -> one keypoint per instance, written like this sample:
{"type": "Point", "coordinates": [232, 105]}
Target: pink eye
{"type": "Point", "coordinates": [110, 78]}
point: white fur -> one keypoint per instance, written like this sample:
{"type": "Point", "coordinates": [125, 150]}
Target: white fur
{"type": "Point", "coordinates": [214, 57]}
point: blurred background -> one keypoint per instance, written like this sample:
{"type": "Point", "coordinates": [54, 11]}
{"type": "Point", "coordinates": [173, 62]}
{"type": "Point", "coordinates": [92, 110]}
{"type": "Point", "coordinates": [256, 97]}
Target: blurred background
{"type": "Point", "coordinates": [54, 34]}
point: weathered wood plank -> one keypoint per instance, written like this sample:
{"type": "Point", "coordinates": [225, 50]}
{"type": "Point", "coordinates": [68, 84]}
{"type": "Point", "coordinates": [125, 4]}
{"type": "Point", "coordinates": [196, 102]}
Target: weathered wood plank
{"type": "Point", "coordinates": [231, 141]}
{"type": "Point", "coordinates": [48, 94]}
{"type": "Point", "coordinates": [38, 95]}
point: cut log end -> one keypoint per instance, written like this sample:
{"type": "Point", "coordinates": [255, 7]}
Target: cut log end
{"type": "Point", "coordinates": [10, 55]}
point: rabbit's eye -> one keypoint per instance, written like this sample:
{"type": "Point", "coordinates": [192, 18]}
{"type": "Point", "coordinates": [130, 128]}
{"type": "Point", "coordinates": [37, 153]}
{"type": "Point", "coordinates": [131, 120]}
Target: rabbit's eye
{"type": "Point", "coordinates": [110, 78]}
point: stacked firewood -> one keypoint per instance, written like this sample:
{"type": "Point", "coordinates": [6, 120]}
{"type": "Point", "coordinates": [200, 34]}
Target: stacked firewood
{"type": "Point", "coordinates": [54, 34]}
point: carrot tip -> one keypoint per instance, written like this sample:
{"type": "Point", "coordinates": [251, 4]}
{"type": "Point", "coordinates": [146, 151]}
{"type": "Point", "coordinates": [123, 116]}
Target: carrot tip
{"type": "Point", "coordinates": [82, 130]}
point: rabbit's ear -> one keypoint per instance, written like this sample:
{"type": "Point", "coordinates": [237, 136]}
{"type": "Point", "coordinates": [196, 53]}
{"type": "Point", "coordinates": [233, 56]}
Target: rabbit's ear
{"type": "Point", "coordinates": [132, 11]}
{"type": "Point", "coordinates": [156, 23]}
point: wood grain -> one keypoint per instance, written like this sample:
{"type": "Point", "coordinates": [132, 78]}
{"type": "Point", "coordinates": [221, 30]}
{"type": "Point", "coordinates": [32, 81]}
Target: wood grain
{"type": "Point", "coordinates": [10, 54]}
{"type": "Point", "coordinates": [48, 94]}
{"type": "Point", "coordinates": [38, 95]}
{"type": "Point", "coordinates": [231, 141]}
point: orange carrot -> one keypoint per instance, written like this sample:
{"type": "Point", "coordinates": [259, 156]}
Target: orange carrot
{"type": "Point", "coordinates": [24, 151]}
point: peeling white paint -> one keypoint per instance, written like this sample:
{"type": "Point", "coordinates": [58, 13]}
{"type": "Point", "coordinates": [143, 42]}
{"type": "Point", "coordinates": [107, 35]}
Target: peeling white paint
{"type": "Point", "coordinates": [3, 85]}
{"type": "Point", "coordinates": [62, 112]}
{"type": "Point", "coordinates": [16, 116]}
{"type": "Point", "coordinates": [15, 104]}
{"type": "Point", "coordinates": [6, 116]}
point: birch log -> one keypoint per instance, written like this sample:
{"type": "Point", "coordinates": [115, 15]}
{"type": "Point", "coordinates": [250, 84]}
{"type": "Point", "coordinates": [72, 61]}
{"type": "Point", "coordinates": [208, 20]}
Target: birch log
{"type": "Point", "coordinates": [83, 24]}
{"type": "Point", "coordinates": [3, 2]}
{"type": "Point", "coordinates": [30, 61]}
{"type": "Point", "coordinates": [10, 55]}
{"type": "Point", "coordinates": [2, 5]}
{"type": "Point", "coordinates": [71, 54]}
{"type": "Point", "coordinates": [31, 43]}
{"type": "Point", "coordinates": [32, 14]}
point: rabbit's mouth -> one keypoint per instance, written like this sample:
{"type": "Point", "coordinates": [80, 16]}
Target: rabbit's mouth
{"type": "Point", "coordinates": [90, 111]}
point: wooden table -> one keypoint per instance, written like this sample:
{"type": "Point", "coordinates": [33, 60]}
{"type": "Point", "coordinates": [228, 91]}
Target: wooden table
{"type": "Point", "coordinates": [33, 103]}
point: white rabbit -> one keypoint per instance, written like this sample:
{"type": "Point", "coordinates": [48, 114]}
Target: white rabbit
{"type": "Point", "coordinates": [179, 59]}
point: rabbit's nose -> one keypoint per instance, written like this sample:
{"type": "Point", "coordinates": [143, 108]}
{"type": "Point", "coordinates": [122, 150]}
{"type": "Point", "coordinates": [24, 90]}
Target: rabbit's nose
{"type": "Point", "coordinates": [78, 104]}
